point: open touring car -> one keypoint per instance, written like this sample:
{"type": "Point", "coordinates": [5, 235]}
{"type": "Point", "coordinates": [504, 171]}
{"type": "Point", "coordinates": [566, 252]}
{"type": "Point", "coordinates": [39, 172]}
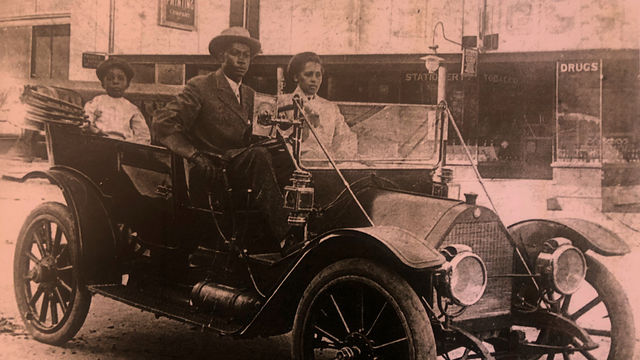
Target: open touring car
{"type": "Point", "coordinates": [390, 268]}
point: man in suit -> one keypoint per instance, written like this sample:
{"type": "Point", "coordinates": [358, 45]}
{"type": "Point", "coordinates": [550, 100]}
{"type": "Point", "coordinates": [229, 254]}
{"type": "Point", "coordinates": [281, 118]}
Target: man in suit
{"type": "Point", "coordinates": [213, 114]}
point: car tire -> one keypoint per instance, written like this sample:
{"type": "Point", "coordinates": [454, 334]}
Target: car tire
{"type": "Point", "coordinates": [601, 298]}
{"type": "Point", "coordinates": [356, 306]}
{"type": "Point", "coordinates": [618, 309]}
{"type": "Point", "coordinates": [47, 277]}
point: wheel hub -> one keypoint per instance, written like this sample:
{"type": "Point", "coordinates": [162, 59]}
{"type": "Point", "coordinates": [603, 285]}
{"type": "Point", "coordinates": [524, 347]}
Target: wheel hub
{"type": "Point", "coordinates": [45, 271]}
{"type": "Point", "coordinates": [358, 347]}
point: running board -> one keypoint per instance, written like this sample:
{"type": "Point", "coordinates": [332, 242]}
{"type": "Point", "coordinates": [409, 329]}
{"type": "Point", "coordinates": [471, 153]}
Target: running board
{"type": "Point", "coordinates": [165, 304]}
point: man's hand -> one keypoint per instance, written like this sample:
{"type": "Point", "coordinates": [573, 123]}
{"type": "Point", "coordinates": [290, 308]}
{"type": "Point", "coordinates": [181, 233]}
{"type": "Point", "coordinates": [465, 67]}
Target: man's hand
{"type": "Point", "coordinates": [204, 164]}
{"type": "Point", "coordinates": [89, 128]}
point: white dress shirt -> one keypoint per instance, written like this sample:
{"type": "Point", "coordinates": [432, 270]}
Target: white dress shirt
{"type": "Point", "coordinates": [118, 118]}
{"type": "Point", "coordinates": [328, 123]}
{"type": "Point", "coordinates": [235, 87]}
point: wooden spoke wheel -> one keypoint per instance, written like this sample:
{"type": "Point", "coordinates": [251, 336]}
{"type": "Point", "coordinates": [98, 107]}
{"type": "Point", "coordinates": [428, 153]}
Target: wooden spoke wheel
{"type": "Point", "coordinates": [356, 309]}
{"type": "Point", "coordinates": [51, 298]}
{"type": "Point", "coordinates": [600, 307]}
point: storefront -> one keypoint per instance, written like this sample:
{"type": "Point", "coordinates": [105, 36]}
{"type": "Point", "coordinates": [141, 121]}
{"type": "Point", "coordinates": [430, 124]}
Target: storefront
{"type": "Point", "coordinates": [598, 128]}
{"type": "Point", "coordinates": [542, 115]}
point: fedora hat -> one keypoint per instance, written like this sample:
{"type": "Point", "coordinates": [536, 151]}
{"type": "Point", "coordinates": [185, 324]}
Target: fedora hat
{"type": "Point", "coordinates": [234, 34]}
{"type": "Point", "coordinates": [104, 66]}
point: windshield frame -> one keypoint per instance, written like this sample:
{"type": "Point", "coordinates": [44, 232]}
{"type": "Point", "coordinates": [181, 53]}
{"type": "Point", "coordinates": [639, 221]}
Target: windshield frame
{"type": "Point", "coordinates": [435, 130]}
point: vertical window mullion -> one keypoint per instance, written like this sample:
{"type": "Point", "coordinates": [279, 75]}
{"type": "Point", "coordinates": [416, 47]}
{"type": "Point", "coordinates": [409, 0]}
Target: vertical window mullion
{"type": "Point", "coordinates": [50, 52]}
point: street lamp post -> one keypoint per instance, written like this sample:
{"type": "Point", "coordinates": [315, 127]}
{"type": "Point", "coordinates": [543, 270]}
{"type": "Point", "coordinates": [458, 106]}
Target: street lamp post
{"type": "Point", "coordinates": [435, 63]}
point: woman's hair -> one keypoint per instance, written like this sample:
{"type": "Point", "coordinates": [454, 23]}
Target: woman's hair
{"type": "Point", "coordinates": [298, 61]}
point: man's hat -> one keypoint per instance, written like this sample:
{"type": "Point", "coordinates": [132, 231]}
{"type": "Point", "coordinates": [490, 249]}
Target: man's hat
{"type": "Point", "coordinates": [104, 66]}
{"type": "Point", "coordinates": [231, 35]}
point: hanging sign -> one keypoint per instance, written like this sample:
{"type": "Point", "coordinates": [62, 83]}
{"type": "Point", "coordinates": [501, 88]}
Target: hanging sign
{"type": "Point", "coordinates": [469, 62]}
{"type": "Point", "coordinates": [92, 60]}
{"type": "Point", "coordinates": [179, 14]}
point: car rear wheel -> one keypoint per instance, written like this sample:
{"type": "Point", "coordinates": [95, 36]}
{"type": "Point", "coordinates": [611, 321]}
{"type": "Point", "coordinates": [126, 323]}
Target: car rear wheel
{"type": "Point", "coordinates": [52, 300]}
{"type": "Point", "coordinates": [357, 309]}
{"type": "Point", "coordinates": [600, 307]}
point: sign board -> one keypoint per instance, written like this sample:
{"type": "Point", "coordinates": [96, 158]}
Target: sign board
{"type": "Point", "coordinates": [92, 60]}
{"type": "Point", "coordinates": [469, 62]}
{"type": "Point", "coordinates": [179, 14]}
{"type": "Point", "coordinates": [469, 41]}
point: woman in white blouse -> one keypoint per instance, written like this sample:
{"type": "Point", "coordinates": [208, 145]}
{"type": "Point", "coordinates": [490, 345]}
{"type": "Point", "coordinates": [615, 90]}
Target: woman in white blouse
{"type": "Point", "coordinates": [306, 71]}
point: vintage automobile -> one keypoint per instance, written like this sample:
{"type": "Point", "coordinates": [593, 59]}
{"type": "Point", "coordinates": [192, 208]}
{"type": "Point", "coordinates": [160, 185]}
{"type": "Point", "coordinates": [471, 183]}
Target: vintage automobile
{"type": "Point", "coordinates": [390, 268]}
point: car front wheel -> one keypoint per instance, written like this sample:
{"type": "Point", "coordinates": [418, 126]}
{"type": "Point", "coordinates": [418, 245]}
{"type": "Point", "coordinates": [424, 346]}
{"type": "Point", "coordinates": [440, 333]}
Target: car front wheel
{"type": "Point", "coordinates": [357, 309]}
{"type": "Point", "coordinates": [602, 309]}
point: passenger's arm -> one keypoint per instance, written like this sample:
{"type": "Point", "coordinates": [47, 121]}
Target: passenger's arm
{"type": "Point", "coordinates": [89, 111]}
{"type": "Point", "coordinates": [92, 114]}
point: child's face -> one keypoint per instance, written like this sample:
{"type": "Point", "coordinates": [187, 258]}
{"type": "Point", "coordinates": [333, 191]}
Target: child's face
{"type": "Point", "coordinates": [115, 82]}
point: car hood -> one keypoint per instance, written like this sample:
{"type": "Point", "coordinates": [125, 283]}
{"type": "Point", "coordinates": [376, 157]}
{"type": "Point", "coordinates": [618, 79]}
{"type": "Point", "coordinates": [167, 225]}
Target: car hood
{"type": "Point", "coordinates": [421, 215]}
{"type": "Point", "coordinates": [415, 213]}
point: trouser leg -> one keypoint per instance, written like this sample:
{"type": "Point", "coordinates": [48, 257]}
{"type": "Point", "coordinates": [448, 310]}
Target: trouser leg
{"type": "Point", "coordinates": [254, 169]}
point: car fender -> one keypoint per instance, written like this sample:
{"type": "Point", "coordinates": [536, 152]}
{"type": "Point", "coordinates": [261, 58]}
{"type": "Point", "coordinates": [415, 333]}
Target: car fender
{"type": "Point", "coordinates": [409, 249]}
{"type": "Point", "coordinates": [585, 235]}
{"type": "Point", "coordinates": [95, 231]}
{"type": "Point", "coordinates": [390, 246]}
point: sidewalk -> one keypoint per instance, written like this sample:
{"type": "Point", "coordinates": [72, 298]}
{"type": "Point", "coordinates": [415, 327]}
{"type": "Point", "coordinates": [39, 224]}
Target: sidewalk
{"type": "Point", "coordinates": [18, 199]}
{"type": "Point", "coordinates": [16, 167]}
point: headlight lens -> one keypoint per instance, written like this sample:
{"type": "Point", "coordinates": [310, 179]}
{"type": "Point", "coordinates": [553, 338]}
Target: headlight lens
{"type": "Point", "coordinates": [466, 276]}
{"type": "Point", "coordinates": [563, 265]}
{"type": "Point", "coordinates": [468, 279]}
{"type": "Point", "coordinates": [569, 269]}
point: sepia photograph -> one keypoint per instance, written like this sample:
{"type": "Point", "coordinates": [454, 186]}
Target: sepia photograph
{"type": "Point", "coordinates": [320, 179]}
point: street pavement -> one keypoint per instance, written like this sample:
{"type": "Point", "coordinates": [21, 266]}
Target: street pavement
{"type": "Point", "coordinates": [110, 332]}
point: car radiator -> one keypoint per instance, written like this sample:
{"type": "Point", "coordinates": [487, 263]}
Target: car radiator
{"type": "Point", "coordinates": [489, 241]}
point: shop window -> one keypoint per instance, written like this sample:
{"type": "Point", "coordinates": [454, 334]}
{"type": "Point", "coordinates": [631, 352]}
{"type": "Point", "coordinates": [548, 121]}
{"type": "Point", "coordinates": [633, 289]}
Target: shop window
{"type": "Point", "coordinates": [620, 109]}
{"type": "Point", "coordinates": [144, 73]}
{"type": "Point", "coordinates": [170, 74]}
{"type": "Point", "coordinates": [50, 52]}
{"type": "Point", "coordinates": [578, 111]}
{"type": "Point", "coordinates": [514, 131]}
{"type": "Point", "coordinates": [246, 13]}
{"type": "Point", "coordinates": [14, 51]}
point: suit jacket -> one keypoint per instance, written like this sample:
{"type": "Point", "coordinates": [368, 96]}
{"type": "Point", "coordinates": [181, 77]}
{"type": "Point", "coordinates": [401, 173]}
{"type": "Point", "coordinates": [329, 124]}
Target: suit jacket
{"type": "Point", "coordinates": [208, 114]}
